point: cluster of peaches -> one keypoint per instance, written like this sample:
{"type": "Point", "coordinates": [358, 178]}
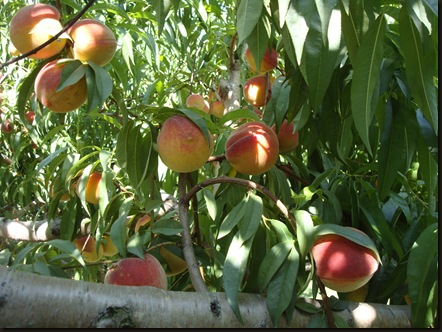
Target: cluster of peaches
{"type": "Point", "coordinates": [251, 149]}
{"type": "Point", "coordinates": [87, 40]}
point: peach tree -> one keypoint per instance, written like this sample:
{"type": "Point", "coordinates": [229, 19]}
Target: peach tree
{"type": "Point", "coordinates": [356, 82]}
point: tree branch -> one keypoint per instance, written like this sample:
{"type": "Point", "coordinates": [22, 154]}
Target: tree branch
{"type": "Point", "coordinates": [80, 304]}
{"type": "Point", "coordinates": [189, 254]}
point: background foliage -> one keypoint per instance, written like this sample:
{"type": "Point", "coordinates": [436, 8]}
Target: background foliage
{"type": "Point", "coordinates": [359, 78]}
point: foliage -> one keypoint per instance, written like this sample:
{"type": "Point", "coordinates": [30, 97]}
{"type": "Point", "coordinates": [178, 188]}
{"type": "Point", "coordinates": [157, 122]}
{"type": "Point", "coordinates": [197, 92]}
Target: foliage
{"type": "Point", "coordinates": [359, 78]}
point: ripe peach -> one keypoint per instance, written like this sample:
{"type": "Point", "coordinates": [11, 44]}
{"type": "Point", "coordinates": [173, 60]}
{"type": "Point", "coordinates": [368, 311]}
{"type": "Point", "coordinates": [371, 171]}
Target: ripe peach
{"type": "Point", "coordinates": [134, 271]}
{"type": "Point", "coordinates": [141, 222]}
{"type": "Point", "coordinates": [252, 148]}
{"type": "Point", "coordinates": [269, 61]}
{"type": "Point", "coordinates": [182, 145]}
{"type": "Point", "coordinates": [88, 247]}
{"type": "Point", "coordinates": [7, 126]}
{"type": "Point", "coordinates": [92, 41]}
{"type": "Point", "coordinates": [197, 101]}
{"type": "Point", "coordinates": [288, 140]}
{"type": "Point", "coordinates": [30, 116]}
{"type": "Point", "coordinates": [33, 25]}
{"type": "Point", "coordinates": [63, 101]}
{"type": "Point", "coordinates": [217, 108]}
{"type": "Point", "coordinates": [257, 90]}
{"type": "Point", "coordinates": [341, 264]}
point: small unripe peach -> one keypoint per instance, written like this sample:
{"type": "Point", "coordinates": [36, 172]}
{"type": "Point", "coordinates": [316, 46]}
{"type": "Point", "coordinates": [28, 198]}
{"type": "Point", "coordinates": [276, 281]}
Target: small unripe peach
{"type": "Point", "coordinates": [341, 264]}
{"type": "Point", "coordinates": [92, 41]}
{"type": "Point", "coordinates": [217, 108]}
{"type": "Point", "coordinates": [197, 101]}
{"type": "Point", "coordinates": [287, 137]}
{"type": "Point", "coordinates": [134, 271]}
{"type": "Point", "coordinates": [32, 26]}
{"type": "Point", "coordinates": [252, 148]}
{"type": "Point", "coordinates": [269, 61]}
{"type": "Point", "coordinates": [182, 145]}
{"type": "Point", "coordinates": [257, 90]}
{"type": "Point", "coordinates": [47, 82]}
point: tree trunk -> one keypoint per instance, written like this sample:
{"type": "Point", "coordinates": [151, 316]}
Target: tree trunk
{"type": "Point", "coordinates": [29, 300]}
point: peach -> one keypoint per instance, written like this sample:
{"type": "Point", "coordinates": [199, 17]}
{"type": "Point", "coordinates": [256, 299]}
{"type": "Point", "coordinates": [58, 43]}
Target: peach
{"type": "Point", "coordinates": [47, 82]}
{"type": "Point", "coordinates": [341, 264]}
{"type": "Point", "coordinates": [217, 108]}
{"type": "Point", "coordinates": [252, 148]}
{"type": "Point", "coordinates": [134, 271]}
{"type": "Point", "coordinates": [33, 25]}
{"type": "Point", "coordinates": [7, 126]}
{"type": "Point", "coordinates": [197, 101]}
{"type": "Point", "coordinates": [287, 138]}
{"type": "Point", "coordinates": [257, 90]}
{"type": "Point", "coordinates": [268, 63]}
{"type": "Point", "coordinates": [109, 248]}
{"type": "Point", "coordinates": [182, 145]}
{"type": "Point", "coordinates": [88, 248]}
{"type": "Point", "coordinates": [144, 220]}
{"type": "Point", "coordinates": [92, 194]}
{"type": "Point", "coordinates": [30, 116]}
{"type": "Point", "coordinates": [92, 41]}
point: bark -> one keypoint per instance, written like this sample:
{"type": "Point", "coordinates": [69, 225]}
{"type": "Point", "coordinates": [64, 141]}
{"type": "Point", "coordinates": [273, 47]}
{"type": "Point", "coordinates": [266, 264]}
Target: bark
{"type": "Point", "coordinates": [40, 230]}
{"type": "Point", "coordinates": [32, 301]}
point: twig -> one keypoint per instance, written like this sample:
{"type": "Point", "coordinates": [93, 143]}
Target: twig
{"type": "Point", "coordinates": [189, 254]}
{"type": "Point", "coordinates": [245, 183]}
{"type": "Point", "coordinates": [326, 305]}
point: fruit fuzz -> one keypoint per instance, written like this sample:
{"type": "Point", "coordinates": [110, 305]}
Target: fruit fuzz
{"type": "Point", "coordinates": [341, 264]}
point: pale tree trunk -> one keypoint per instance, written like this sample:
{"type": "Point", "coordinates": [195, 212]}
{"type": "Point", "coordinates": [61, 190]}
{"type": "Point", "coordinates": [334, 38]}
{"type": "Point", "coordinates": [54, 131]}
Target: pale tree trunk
{"type": "Point", "coordinates": [29, 300]}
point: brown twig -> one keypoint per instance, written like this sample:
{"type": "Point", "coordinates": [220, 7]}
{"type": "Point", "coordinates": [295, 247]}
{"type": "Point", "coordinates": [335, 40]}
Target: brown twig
{"type": "Point", "coordinates": [50, 40]}
{"type": "Point", "coordinates": [326, 305]}
{"type": "Point", "coordinates": [189, 254]}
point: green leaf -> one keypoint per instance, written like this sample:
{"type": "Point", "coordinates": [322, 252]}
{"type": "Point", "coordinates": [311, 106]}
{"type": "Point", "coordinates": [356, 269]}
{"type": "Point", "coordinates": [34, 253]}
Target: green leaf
{"type": "Point", "coordinates": [272, 261]}
{"type": "Point", "coordinates": [320, 56]}
{"type": "Point", "coordinates": [118, 232]}
{"type": "Point", "coordinates": [167, 227]}
{"type": "Point", "coordinates": [162, 9]}
{"type": "Point", "coordinates": [281, 288]}
{"type": "Point", "coordinates": [428, 168]}
{"type": "Point", "coordinates": [392, 151]}
{"type": "Point", "coordinates": [420, 62]}
{"type": "Point", "coordinates": [71, 73]}
{"type": "Point", "coordinates": [281, 230]}
{"type": "Point", "coordinates": [366, 78]}
{"type": "Point", "coordinates": [248, 14]}
{"type": "Point", "coordinates": [234, 270]}
{"type": "Point", "coordinates": [210, 200]}
{"type": "Point", "coordinates": [373, 214]}
{"type": "Point", "coordinates": [67, 247]}
{"type": "Point", "coordinates": [232, 219]}
{"type": "Point", "coordinates": [419, 268]}
{"type": "Point", "coordinates": [258, 41]}
{"type": "Point", "coordinates": [304, 231]}
{"type": "Point", "coordinates": [249, 223]}
{"type": "Point", "coordinates": [136, 155]}
{"type": "Point", "coordinates": [296, 20]}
